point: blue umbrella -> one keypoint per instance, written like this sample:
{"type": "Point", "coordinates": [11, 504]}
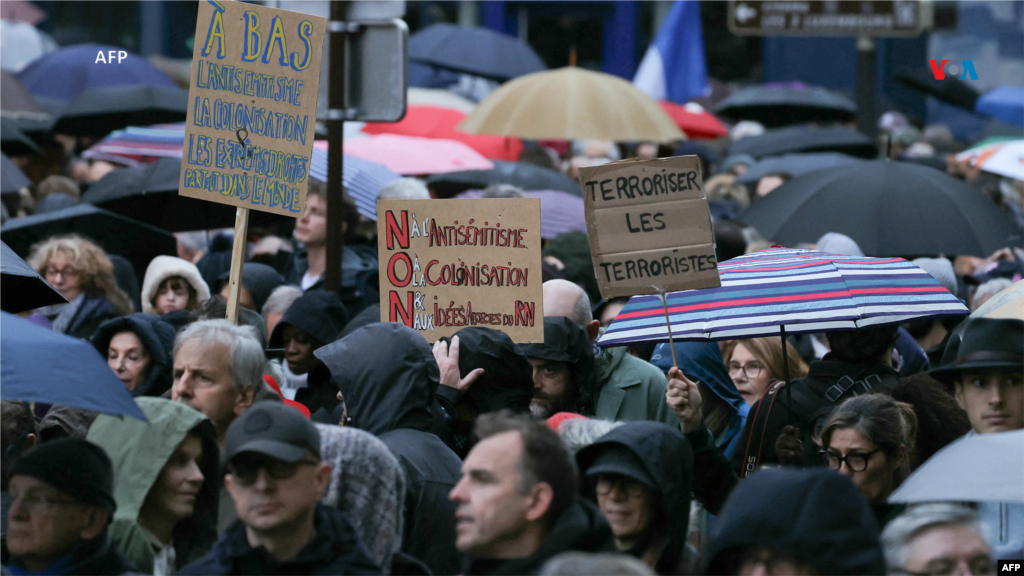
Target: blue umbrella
{"type": "Point", "coordinates": [21, 287]}
{"type": "Point", "coordinates": [1005, 103]}
{"type": "Point", "coordinates": [476, 51]}
{"type": "Point", "coordinates": [39, 365]}
{"type": "Point", "coordinates": [362, 179]}
{"type": "Point", "coordinates": [60, 76]}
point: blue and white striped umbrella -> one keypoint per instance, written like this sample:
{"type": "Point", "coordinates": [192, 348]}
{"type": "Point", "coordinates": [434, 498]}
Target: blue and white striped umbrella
{"type": "Point", "coordinates": [362, 179]}
{"type": "Point", "coordinates": [804, 291]}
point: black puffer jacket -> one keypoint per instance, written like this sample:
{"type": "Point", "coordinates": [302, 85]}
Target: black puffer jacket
{"type": "Point", "coordinates": [666, 456]}
{"type": "Point", "coordinates": [158, 338]}
{"type": "Point", "coordinates": [388, 376]}
{"type": "Point", "coordinates": [817, 516]}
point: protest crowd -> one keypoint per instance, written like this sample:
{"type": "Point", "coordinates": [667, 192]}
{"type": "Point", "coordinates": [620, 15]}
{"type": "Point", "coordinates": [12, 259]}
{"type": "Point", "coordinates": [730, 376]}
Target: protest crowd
{"type": "Point", "coordinates": [311, 437]}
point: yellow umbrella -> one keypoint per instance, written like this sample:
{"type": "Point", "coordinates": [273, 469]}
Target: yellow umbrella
{"type": "Point", "coordinates": [1008, 303]}
{"type": "Point", "coordinates": [571, 104]}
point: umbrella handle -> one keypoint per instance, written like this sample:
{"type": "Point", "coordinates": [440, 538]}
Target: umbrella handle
{"type": "Point", "coordinates": [668, 324]}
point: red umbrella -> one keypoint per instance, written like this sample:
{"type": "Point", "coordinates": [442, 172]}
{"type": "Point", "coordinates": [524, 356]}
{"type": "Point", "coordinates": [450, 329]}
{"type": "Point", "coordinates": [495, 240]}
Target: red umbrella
{"type": "Point", "coordinates": [409, 155]}
{"type": "Point", "coordinates": [21, 11]}
{"type": "Point", "coordinates": [698, 124]}
{"type": "Point", "coordinates": [436, 122]}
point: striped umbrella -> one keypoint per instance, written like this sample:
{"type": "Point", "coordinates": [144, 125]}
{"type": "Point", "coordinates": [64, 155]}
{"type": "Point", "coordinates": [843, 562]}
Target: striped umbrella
{"type": "Point", "coordinates": [560, 212]}
{"type": "Point", "coordinates": [362, 179]}
{"type": "Point", "coordinates": [781, 290]}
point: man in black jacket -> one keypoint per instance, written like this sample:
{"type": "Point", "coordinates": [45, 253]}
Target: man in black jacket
{"type": "Point", "coordinates": [517, 504]}
{"type": "Point", "coordinates": [276, 479]}
{"type": "Point", "coordinates": [388, 378]}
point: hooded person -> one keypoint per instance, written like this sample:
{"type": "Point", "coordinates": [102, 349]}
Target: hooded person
{"type": "Point", "coordinates": [313, 320]}
{"type": "Point", "coordinates": [506, 383]}
{"type": "Point", "coordinates": [798, 521]}
{"type": "Point", "coordinates": [641, 474]}
{"type": "Point", "coordinates": [563, 369]}
{"type": "Point", "coordinates": [171, 284]}
{"type": "Point", "coordinates": [367, 483]}
{"type": "Point", "coordinates": [165, 484]}
{"type": "Point", "coordinates": [258, 281]}
{"type": "Point", "coordinates": [388, 378]}
{"type": "Point", "coordinates": [138, 349]}
{"type": "Point", "coordinates": [725, 411]}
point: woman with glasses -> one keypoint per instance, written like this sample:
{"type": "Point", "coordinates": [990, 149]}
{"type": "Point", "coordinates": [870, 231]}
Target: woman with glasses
{"type": "Point", "coordinates": [164, 483]}
{"type": "Point", "coordinates": [870, 438]}
{"type": "Point", "coordinates": [83, 274]}
{"type": "Point", "coordinates": [640, 474]}
{"type": "Point", "coordinates": [755, 363]}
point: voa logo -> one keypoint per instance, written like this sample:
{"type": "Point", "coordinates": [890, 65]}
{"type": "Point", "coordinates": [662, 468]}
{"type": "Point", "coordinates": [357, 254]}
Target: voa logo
{"type": "Point", "coordinates": [941, 71]}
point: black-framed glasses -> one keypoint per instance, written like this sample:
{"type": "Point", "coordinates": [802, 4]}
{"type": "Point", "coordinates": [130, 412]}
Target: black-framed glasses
{"type": "Point", "coordinates": [855, 461]}
{"type": "Point", "coordinates": [247, 470]}
{"type": "Point", "coordinates": [608, 482]}
{"type": "Point", "coordinates": [751, 369]}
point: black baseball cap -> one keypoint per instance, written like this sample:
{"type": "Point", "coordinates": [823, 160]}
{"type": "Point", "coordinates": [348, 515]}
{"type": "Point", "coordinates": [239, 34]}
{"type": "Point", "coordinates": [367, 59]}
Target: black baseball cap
{"type": "Point", "coordinates": [272, 429]}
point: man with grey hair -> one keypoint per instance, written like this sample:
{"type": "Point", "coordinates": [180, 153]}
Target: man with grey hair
{"type": "Point", "coordinates": [404, 189]}
{"type": "Point", "coordinates": [279, 301]}
{"type": "Point", "coordinates": [627, 387]}
{"type": "Point", "coordinates": [938, 538]}
{"type": "Point", "coordinates": [218, 367]}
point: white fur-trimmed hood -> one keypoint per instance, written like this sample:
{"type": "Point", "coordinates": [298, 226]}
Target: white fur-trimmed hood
{"type": "Point", "coordinates": [162, 268]}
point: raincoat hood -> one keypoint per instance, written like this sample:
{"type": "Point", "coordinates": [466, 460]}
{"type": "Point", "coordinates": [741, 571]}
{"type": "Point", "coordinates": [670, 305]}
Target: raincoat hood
{"type": "Point", "coordinates": [701, 361]}
{"type": "Point", "coordinates": [507, 381]}
{"type": "Point", "coordinates": [139, 451]}
{"type": "Point", "coordinates": [667, 459]}
{"type": "Point", "coordinates": [158, 338]}
{"type": "Point", "coordinates": [387, 374]}
{"type": "Point", "coordinates": [816, 515]}
{"type": "Point", "coordinates": [318, 313]}
{"type": "Point", "coordinates": [566, 342]}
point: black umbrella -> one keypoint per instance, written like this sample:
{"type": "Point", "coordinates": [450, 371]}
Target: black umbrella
{"type": "Point", "coordinates": [21, 287]}
{"type": "Point", "coordinates": [14, 142]}
{"type": "Point", "coordinates": [889, 208]}
{"type": "Point", "coordinates": [137, 241]}
{"type": "Point", "coordinates": [776, 106]}
{"type": "Point", "coordinates": [99, 111]}
{"type": "Point", "coordinates": [477, 51]}
{"type": "Point", "coordinates": [795, 164]}
{"type": "Point", "coordinates": [522, 174]}
{"type": "Point", "coordinates": [19, 107]}
{"type": "Point", "coordinates": [806, 139]}
{"type": "Point", "coordinates": [150, 194]}
{"type": "Point", "coordinates": [12, 180]}
{"type": "Point", "coordinates": [950, 90]}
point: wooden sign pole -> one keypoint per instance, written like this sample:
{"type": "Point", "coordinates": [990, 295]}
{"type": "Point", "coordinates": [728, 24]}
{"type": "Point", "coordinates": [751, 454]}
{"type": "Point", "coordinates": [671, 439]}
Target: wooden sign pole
{"type": "Point", "coordinates": [237, 260]}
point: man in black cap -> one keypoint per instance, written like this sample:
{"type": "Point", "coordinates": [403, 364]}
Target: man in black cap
{"type": "Point", "coordinates": [562, 369]}
{"type": "Point", "coordinates": [276, 478]}
{"type": "Point", "coordinates": [61, 504]}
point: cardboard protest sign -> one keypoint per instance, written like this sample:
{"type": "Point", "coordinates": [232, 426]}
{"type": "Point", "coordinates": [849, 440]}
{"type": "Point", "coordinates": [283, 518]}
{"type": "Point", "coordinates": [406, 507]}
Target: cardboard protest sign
{"type": "Point", "coordinates": [450, 264]}
{"type": "Point", "coordinates": [649, 226]}
{"type": "Point", "coordinates": [252, 106]}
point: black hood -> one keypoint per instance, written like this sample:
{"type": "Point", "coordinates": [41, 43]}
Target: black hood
{"type": "Point", "coordinates": [387, 374]}
{"type": "Point", "coordinates": [816, 515]}
{"type": "Point", "coordinates": [566, 342]}
{"type": "Point", "coordinates": [580, 528]}
{"type": "Point", "coordinates": [259, 279]}
{"type": "Point", "coordinates": [666, 456]}
{"type": "Point", "coordinates": [318, 313]}
{"type": "Point", "coordinates": [158, 338]}
{"type": "Point", "coordinates": [507, 381]}
{"type": "Point", "coordinates": [369, 315]}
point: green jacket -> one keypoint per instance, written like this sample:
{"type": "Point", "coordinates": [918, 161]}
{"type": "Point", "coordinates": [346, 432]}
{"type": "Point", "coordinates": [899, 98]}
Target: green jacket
{"type": "Point", "coordinates": [629, 388]}
{"type": "Point", "coordinates": [139, 451]}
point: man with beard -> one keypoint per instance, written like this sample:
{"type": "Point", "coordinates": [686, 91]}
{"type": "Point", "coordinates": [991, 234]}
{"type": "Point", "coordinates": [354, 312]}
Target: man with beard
{"type": "Point", "coordinates": [562, 369]}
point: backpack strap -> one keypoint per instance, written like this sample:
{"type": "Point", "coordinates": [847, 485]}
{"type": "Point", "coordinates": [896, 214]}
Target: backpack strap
{"type": "Point", "coordinates": [750, 462]}
{"type": "Point", "coordinates": [844, 384]}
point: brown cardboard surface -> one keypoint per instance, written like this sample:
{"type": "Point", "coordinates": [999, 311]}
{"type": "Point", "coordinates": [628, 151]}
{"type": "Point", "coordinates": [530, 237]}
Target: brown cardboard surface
{"type": "Point", "coordinates": [649, 226]}
{"type": "Point", "coordinates": [450, 264]}
{"type": "Point", "coordinates": [644, 272]}
{"type": "Point", "coordinates": [252, 106]}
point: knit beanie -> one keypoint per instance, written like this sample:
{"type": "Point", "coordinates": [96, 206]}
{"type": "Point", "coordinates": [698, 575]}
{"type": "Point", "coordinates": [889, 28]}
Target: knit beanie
{"type": "Point", "coordinates": [74, 466]}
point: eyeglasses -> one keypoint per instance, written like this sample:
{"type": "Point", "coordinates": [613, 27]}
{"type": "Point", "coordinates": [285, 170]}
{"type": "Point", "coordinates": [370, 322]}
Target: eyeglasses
{"type": "Point", "coordinates": [38, 503]}
{"type": "Point", "coordinates": [751, 369]}
{"type": "Point", "coordinates": [855, 461]}
{"type": "Point", "coordinates": [247, 470]}
{"type": "Point", "coordinates": [980, 565]}
{"type": "Point", "coordinates": [607, 482]}
{"type": "Point", "coordinates": [67, 272]}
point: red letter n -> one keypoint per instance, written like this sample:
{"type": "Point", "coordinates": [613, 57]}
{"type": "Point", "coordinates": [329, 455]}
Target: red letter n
{"type": "Point", "coordinates": [393, 230]}
{"type": "Point", "coordinates": [396, 310]}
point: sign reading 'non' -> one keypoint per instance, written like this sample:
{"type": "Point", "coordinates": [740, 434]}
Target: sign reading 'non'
{"type": "Point", "coordinates": [252, 106]}
{"type": "Point", "coordinates": [649, 226]}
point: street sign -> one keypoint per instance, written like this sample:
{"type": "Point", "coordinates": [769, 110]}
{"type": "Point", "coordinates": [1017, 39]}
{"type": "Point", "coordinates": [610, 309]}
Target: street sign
{"type": "Point", "coordinates": [376, 69]}
{"type": "Point", "coordinates": [826, 18]}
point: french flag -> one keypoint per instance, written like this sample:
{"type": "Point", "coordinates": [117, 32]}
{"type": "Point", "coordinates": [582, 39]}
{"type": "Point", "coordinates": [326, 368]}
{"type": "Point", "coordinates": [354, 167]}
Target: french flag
{"type": "Point", "coordinates": [674, 68]}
